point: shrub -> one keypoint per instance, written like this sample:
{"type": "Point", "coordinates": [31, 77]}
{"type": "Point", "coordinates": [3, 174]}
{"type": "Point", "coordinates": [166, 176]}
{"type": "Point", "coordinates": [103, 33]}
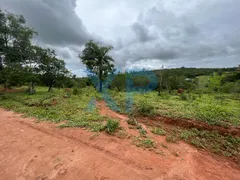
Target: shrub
{"type": "Point", "coordinates": [159, 131]}
{"type": "Point", "coordinates": [75, 91]}
{"type": "Point", "coordinates": [144, 108]}
{"type": "Point", "coordinates": [183, 97]}
{"type": "Point", "coordinates": [142, 132]}
{"type": "Point", "coordinates": [111, 126]}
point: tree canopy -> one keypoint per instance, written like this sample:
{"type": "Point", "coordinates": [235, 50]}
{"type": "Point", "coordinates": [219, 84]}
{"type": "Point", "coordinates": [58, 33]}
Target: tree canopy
{"type": "Point", "coordinates": [21, 61]}
{"type": "Point", "coordinates": [97, 60]}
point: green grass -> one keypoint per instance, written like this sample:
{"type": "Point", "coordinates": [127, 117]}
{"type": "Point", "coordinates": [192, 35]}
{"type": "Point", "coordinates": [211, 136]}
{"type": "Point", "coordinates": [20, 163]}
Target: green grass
{"type": "Point", "coordinates": [159, 131]}
{"type": "Point", "coordinates": [144, 142]}
{"type": "Point", "coordinates": [111, 126]}
{"type": "Point", "coordinates": [213, 141]}
{"type": "Point", "coordinates": [214, 109]}
{"type": "Point", "coordinates": [77, 110]}
{"type": "Point", "coordinates": [225, 145]}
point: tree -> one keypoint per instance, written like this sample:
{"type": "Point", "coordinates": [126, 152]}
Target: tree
{"type": "Point", "coordinates": [15, 44]}
{"type": "Point", "coordinates": [97, 60]}
{"type": "Point", "coordinates": [50, 67]}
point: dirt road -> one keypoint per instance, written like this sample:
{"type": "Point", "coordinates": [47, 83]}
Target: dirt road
{"type": "Point", "coordinates": [30, 150]}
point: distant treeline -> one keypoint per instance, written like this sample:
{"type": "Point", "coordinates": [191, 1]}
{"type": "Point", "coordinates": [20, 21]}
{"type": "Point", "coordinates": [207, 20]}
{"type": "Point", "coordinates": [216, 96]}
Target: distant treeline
{"type": "Point", "coordinates": [166, 79]}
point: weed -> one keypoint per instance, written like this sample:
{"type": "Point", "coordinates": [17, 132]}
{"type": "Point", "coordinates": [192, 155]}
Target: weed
{"type": "Point", "coordinates": [76, 91]}
{"type": "Point", "coordinates": [148, 143]}
{"type": "Point", "coordinates": [159, 131]}
{"type": "Point", "coordinates": [183, 97]}
{"type": "Point", "coordinates": [173, 138]}
{"type": "Point", "coordinates": [122, 134]}
{"type": "Point", "coordinates": [143, 132]}
{"type": "Point", "coordinates": [145, 143]}
{"type": "Point", "coordinates": [132, 122]}
{"type": "Point", "coordinates": [139, 126]}
{"type": "Point", "coordinates": [111, 126]}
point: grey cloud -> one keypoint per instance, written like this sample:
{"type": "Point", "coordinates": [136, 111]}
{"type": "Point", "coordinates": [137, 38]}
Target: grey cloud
{"type": "Point", "coordinates": [141, 32]}
{"type": "Point", "coordinates": [54, 20]}
{"type": "Point", "coordinates": [187, 37]}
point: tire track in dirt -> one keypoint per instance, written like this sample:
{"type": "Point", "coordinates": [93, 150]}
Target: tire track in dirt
{"type": "Point", "coordinates": [26, 124]}
{"type": "Point", "coordinates": [73, 139]}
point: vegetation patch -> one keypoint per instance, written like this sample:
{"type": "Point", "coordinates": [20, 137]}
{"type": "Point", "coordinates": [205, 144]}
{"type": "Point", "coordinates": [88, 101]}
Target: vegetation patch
{"type": "Point", "coordinates": [144, 142]}
{"type": "Point", "coordinates": [143, 132]}
{"type": "Point", "coordinates": [111, 126]}
{"type": "Point", "coordinates": [52, 106]}
{"type": "Point", "coordinates": [159, 131]}
{"type": "Point", "coordinates": [122, 134]}
{"type": "Point", "coordinates": [221, 111]}
{"type": "Point", "coordinates": [132, 122]}
{"type": "Point", "coordinates": [225, 145]}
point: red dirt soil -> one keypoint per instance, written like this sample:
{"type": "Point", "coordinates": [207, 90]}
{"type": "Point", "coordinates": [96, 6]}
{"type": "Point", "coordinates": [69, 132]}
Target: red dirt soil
{"type": "Point", "coordinates": [154, 121]}
{"type": "Point", "coordinates": [30, 150]}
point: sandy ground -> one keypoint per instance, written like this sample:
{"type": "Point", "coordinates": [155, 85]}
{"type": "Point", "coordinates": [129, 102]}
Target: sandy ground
{"type": "Point", "coordinates": [30, 150]}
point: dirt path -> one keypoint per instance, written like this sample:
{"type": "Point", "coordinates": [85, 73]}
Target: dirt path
{"type": "Point", "coordinates": [30, 150]}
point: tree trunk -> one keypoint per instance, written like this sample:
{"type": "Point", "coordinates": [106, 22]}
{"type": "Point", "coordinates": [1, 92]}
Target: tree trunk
{"type": "Point", "coordinates": [159, 90]}
{"type": "Point", "coordinates": [50, 87]}
{"type": "Point", "coordinates": [100, 85]}
{"type": "Point", "coordinates": [32, 87]}
{"type": "Point", "coordinates": [100, 79]}
{"type": "Point", "coordinates": [160, 85]}
{"type": "Point", "coordinates": [1, 63]}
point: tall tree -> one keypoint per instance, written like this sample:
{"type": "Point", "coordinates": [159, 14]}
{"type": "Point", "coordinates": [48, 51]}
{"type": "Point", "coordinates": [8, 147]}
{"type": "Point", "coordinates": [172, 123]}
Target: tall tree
{"type": "Point", "coordinates": [97, 60]}
{"type": "Point", "coordinates": [51, 68]}
{"type": "Point", "coordinates": [15, 44]}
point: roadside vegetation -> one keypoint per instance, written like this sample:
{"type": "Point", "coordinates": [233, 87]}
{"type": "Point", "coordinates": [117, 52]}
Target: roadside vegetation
{"type": "Point", "coordinates": [61, 106]}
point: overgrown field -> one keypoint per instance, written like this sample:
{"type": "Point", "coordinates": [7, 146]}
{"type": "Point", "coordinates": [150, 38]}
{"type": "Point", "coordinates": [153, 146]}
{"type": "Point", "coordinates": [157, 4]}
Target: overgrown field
{"type": "Point", "coordinates": [214, 109]}
{"type": "Point", "coordinates": [60, 105]}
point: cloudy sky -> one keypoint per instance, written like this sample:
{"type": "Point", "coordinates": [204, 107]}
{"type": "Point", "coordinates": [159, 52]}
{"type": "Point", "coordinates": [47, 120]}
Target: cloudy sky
{"type": "Point", "coordinates": [144, 33]}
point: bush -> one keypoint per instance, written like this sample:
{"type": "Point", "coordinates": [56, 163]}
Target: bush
{"type": "Point", "coordinates": [111, 126]}
{"type": "Point", "coordinates": [75, 91]}
{"type": "Point", "coordinates": [183, 97]}
{"type": "Point", "coordinates": [144, 108]}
